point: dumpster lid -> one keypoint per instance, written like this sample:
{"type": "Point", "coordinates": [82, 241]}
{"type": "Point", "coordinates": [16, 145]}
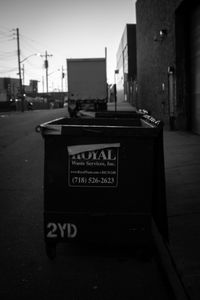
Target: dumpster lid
{"type": "Point", "coordinates": [142, 125]}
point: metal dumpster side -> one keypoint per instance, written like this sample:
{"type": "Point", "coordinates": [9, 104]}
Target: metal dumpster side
{"type": "Point", "coordinates": [103, 180]}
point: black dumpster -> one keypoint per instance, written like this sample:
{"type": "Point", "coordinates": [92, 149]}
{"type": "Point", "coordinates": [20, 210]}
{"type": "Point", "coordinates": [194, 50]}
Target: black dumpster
{"type": "Point", "coordinates": [103, 180]}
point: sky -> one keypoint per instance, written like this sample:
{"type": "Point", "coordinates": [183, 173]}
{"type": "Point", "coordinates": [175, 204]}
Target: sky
{"type": "Point", "coordinates": [63, 28]}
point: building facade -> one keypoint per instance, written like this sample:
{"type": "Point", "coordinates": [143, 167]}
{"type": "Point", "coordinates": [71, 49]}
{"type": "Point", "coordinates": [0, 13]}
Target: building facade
{"type": "Point", "coordinates": [168, 61]}
{"type": "Point", "coordinates": [10, 88]}
{"type": "Point", "coordinates": [125, 73]}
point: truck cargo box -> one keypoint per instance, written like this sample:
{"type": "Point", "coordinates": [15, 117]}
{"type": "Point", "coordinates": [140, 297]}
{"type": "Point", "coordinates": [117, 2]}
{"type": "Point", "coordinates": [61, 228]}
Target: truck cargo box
{"type": "Point", "coordinates": [87, 83]}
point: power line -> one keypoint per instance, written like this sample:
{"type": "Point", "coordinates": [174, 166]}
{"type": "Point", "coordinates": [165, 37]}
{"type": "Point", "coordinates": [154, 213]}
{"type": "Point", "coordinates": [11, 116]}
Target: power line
{"type": "Point", "coordinates": [9, 70]}
{"type": "Point", "coordinates": [5, 34]}
{"type": "Point", "coordinates": [8, 52]}
{"type": "Point", "coordinates": [25, 38]}
{"type": "Point", "coordinates": [27, 45]}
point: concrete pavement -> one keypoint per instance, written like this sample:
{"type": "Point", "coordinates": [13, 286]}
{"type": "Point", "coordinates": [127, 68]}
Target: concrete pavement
{"type": "Point", "coordinates": [182, 173]}
{"type": "Point", "coordinates": [182, 169]}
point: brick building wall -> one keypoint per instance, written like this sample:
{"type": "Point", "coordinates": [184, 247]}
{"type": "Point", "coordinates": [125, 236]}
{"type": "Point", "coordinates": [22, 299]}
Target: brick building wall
{"type": "Point", "coordinates": [156, 54]}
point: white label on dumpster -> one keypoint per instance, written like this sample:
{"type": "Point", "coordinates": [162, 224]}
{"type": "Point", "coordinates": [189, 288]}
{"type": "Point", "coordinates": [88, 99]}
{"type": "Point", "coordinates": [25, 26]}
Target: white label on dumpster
{"type": "Point", "coordinates": [94, 165]}
{"type": "Point", "coordinates": [55, 230]}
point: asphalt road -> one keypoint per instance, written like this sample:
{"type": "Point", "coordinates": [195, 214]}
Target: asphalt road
{"type": "Point", "coordinates": [79, 271]}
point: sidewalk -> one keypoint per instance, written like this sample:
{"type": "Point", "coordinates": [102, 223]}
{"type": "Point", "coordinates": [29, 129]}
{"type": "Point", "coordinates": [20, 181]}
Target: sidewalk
{"type": "Point", "coordinates": [182, 172]}
{"type": "Point", "coordinates": [123, 106]}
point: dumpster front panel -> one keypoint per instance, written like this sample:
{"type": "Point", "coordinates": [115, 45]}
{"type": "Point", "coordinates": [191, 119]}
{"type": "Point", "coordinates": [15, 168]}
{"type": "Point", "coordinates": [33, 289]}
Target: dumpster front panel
{"type": "Point", "coordinates": [109, 228]}
{"type": "Point", "coordinates": [100, 179]}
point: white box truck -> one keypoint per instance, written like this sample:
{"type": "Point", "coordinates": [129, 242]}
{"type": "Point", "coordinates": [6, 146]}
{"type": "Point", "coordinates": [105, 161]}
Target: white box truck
{"type": "Point", "coordinates": [87, 84]}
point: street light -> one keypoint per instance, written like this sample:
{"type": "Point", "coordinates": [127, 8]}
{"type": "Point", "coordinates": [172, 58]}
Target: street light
{"type": "Point", "coordinates": [62, 76]}
{"type": "Point", "coordinates": [34, 54]}
{"type": "Point", "coordinates": [53, 72]}
{"type": "Point", "coordinates": [23, 60]}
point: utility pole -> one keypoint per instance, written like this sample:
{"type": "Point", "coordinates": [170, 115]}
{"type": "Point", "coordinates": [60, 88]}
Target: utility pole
{"type": "Point", "coordinates": [115, 88]}
{"type": "Point", "coordinates": [62, 77]}
{"type": "Point", "coordinates": [20, 74]}
{"type": "Point", "coordinates": [106, 61]}
{"type": "Point", "coordinates": [46, 65]}
{"type": "Point", "coordinates": [106, 73]}
{"type": "Point", "coordinates": [23, 75]}
{"type": "Point", "coordinates": [43, 84]}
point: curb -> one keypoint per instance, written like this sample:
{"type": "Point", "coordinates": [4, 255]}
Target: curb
{"type": "Point", "coordinates": [169, 267]}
